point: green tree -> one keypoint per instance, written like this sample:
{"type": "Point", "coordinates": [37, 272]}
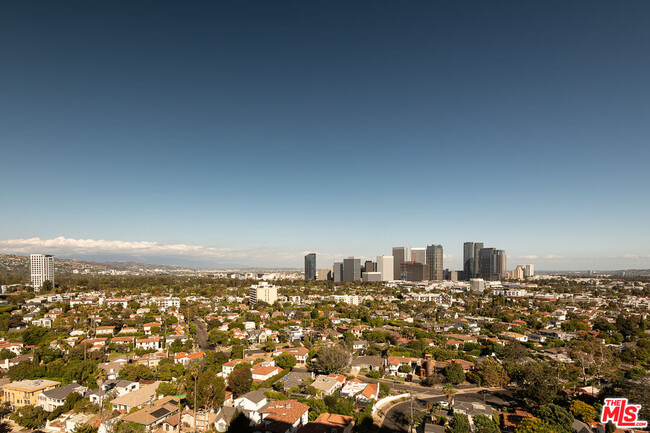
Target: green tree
{"type": "Point", "coordinates": [557, 417]}
{"type": "Point", "coordinates": [332, 359]}
{"type": "Point", "coordinates": [240, 380]}
{"type": "Point", "coordinates": [211, 390]}
{"type": "Point", "coordinates": [583, 411]}
{"type": "Point", "coordinates": [167, 388]}
{"type": "Point", "coordinates": [136, 372]}
{"type": "Point", "coordinates": [363, 421]}
{"type": "Point", "coordinates": [344, 406]}
{"type": "Point", "coordinates": [404, 368]}
{"type": "Point", "coordinates": [239, 423]}
{"type": "Point", "coordinates": [514, 351]}
{"type": "Point", "coordinates": [492, 373]}
{"type": "Point", "coordinates": [218, 338]}
{"type": "Point", "coordinates": [32, 417]}
{"type": "Point", "coordinates": [459, 423]}
{"type": "Point", "coordinates": [85, 428]}
{"type": "Point", "coordinates": [449, 392]}
{"type": "Point", "coordinates": [33, 335]}
{"type": "Point", "coordinates": [535, 425]}
{"type": "Point", "coordinates": [484, 424]}
{"type": "Point", "coordinates": [128, 427]}
{"type": "Point", "coordinates": [454, 374]}
{"type": "Point", "coordinates": [285, 360]}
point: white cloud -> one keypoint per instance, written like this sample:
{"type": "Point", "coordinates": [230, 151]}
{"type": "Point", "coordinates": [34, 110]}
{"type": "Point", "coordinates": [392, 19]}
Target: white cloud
{"type": "Point", "coordinates": [553, 257]}
{"type": "Point", "coordinates": [528, 257]}
{"type": "Point", "coordinates": [147, 250]}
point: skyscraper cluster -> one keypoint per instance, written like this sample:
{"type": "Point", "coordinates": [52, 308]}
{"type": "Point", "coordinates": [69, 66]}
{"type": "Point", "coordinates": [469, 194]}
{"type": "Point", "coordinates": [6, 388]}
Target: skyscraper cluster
{"type": "Point", "coordinates": [423, 264]}
{"type": "Point", "coordinates": [486, 263]}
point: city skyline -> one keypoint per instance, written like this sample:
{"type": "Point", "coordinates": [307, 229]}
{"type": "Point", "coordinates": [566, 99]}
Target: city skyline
{"type": "Point", "coordinates": [227, 134]}
{"type": "Point", "coordinates": [216, 258]}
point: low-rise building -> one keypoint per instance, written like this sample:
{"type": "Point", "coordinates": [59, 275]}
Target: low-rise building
{"type": "Point", "coordinates": [26, 392]}
{"type": "Point", "coordinates": [55, 397]}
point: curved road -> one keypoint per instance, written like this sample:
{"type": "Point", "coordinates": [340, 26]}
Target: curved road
{"type": "Point", "coordinates": [396, 418]}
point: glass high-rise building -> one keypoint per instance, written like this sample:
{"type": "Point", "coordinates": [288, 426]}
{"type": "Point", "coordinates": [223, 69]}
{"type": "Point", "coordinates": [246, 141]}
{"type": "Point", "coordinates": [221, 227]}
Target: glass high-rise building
{"type": "Point", "coordinates": [471, 259]}
{"type": "Point", "coordinates": [400, 256]}
{"type": "Point", "coordinates": [434, 262]}
{"type": "Point", "coordinates": [351, 269]}
{"type": "Point", "coordinates": [493, 264]}
{"type": "Point", "coordinates": [310, 266]}
{"type": "Point", "coordinates": [337, 272]}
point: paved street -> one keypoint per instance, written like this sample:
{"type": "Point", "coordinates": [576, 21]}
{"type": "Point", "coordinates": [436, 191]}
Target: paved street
{"type": "Point", "coordinates": [396, 418]}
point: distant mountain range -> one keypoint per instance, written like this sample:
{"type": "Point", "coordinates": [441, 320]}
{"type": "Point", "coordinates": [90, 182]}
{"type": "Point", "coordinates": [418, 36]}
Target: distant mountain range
{"type": "Point", "coordinates": [20, 264]}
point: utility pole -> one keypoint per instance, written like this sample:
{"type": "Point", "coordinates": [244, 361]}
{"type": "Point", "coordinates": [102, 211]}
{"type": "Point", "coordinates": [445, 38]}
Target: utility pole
{"type": "Point", "coordinates": [196, 375]}
{"type": "Point", "coordinates": [411, 420]}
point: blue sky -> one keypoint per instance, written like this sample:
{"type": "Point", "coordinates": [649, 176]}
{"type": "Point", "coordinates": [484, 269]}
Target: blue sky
{"type": "Point", "coordinates": [247, 133]}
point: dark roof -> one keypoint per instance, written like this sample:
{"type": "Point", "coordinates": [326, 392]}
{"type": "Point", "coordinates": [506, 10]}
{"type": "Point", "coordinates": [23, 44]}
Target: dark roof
{"type": "Point", "coordinates": [159, 413]}
{"type": "Point", "coordinates": [255, 396]}
{"type": "Point", "coordinates": [61, 392]}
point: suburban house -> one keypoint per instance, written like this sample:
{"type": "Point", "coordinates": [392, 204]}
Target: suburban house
{"type": "Point", "coordinates": [360, 390]}
{"type": "Point", "coordinates": [224, 416]}
{"type": "Point", "coordinates": [137, 398]}
{"type": "Point", "coordinates": [185, 358]}
{"type": "Point", "coordinates": [329, 423]}
{"type": "Point", "coordinates": [395, 362]}
{"type": "Point", "coordinates": [263, 372]}
{"type": "Point", "coordinates": [513, 336]}
{"type": "Point", "coordinates": [300, 353]}
{"type": "Point", "coordinates": [26, 392]}
{"type": "Point", "coordinates": [229, 366]}
{"type": "Point", "coordinates": [55, 397]}
{"type": "Point", "coordinates": [151, 343]}
{"type": "Point", "coordinates": [284, 416]}
{"type": "Point", "coordinates": [152, 416]}
{"type": "Point", "coordinates": [251, 403]}
{"type": "Point", "coordinates": [326, 385]}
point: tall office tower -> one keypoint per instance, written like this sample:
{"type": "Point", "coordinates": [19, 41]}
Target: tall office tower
{"type": "Point", "coordinates": [471, 259]}
{"type": "Point", "coordinates": [501, 264]}
{"type": "Point", "coordinates": [369, 266]}
{"type": "Point", "coordinates": [262, 292]}
{"type": "Point", "coordinates": [337, 272]}
{"type": "Point", "coordinates": [529, 270]}
{"type": "Point", "coordinates": [478, 246]}
{"type": "Point", "coordinates": [310, 266]}
{"type": "Point", "coordinates": [493, 264]}
{"type": "Point", "coordinates": [419, 255]}
{"type": "Point", "coordinates": [385, 267]}
{"type": "Point", "coordinates": [434, 262]}
{"type": "Point", "coordinates": [351, 269]}
{"type": "Point", "coordinates": [42, 269]}
{"type": "Point", "coordinates": [400, 256]}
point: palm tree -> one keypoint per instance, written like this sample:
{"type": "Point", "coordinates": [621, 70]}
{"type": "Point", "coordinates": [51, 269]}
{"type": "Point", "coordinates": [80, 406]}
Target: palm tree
{"type": "Point", "coordinates": [449, 391]}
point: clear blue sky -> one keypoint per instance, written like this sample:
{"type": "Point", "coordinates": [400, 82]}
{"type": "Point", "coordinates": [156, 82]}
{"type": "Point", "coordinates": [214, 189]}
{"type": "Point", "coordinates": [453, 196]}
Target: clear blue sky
{"type": "Point", "coordinates": [273, 128]}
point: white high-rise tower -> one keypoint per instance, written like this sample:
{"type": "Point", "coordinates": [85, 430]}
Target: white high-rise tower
{"type": "Point", "coordinates": [42, 269]}
{"type": "Point", "coordinates": [385, 267]}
